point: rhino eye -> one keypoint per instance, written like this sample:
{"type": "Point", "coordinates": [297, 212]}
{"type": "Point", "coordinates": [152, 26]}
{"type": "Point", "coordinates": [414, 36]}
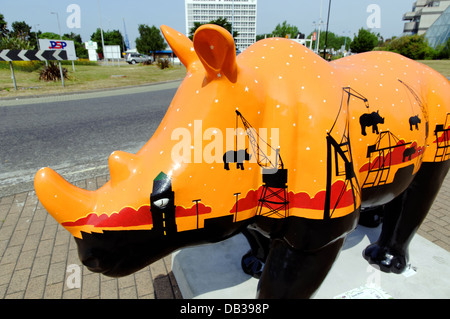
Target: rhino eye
{"type": "Point", "coordinates": [161, 203]}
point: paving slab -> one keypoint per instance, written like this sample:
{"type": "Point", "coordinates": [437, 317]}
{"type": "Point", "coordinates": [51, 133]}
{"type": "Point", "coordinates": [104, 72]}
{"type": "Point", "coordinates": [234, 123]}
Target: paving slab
{"type": "Point", "coordinates": [213, 271]}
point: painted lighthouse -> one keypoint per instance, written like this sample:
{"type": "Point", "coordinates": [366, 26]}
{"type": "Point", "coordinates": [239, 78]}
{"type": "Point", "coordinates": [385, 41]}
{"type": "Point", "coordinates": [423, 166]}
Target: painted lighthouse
{"type": "Point", "coordinates": [162, 201]}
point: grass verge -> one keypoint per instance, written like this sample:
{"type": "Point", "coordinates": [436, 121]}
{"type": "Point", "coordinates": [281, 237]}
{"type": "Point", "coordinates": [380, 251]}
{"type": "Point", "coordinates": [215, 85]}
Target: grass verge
{"type": "Point", "coordinates": [96, 76]}
{"type": "Point", "coordinates": [442, 66]}
{"type": "Point", "coordinates": [85, 78]}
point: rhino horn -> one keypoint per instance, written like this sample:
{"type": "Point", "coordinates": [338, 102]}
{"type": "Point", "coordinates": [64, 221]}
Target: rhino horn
{"type": "Point", "coordinates": [64, 201]}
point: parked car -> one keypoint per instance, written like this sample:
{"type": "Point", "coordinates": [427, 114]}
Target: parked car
{"type": "Point", "coordinates": [133, 58]}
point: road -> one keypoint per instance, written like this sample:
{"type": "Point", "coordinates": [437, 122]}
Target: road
{"type": "Point", "coordinates": [75, 134]}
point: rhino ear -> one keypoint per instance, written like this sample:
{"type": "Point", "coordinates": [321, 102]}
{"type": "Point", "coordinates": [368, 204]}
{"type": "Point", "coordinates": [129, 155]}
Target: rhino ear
{"type": "Point", "coordinates": [215, 47]}
{"type": "Point", "coordinates": [181, 45]}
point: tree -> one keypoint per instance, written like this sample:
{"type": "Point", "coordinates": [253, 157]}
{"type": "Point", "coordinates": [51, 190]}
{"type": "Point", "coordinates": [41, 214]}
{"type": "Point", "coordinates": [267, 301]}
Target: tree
{"type": "Point", "coordinates": [80, 50]}
{"type": "Point", "coordinates": [444, 50]}
{"type": "Point", "coordinates": [21, 29]}
{"type": "Point", "coordinates": [149, 40]}
{"type": "Point", "coordinates": [364, 41]}
{"type": "Point", "coordinates": [15, 43]}
{"type": "Point", "coordinates": [18, 38]}
{"type": "Point", "coordinates": [223, 22]}
{"type": "Point", "coordinates": [334, 41]}
{"type": "Point", "coordinates": [3, 26]}
{"type": "Point", "coordinates": [414, 47]}
{"type": "Point", "coordinates": [284, 29]}
{"type": "Point", "coordinates": [49, 35]}
{"type": "Point", "coordinates": [113, 37]}
{"type": "Point", "coordinates": [263, 36]}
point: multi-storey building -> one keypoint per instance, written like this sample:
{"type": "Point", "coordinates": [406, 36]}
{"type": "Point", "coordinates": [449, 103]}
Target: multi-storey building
{"type": "Point", "coordinates": [241, 13]}
{"type": "Point", "coordinates": [424, 13]}
{"type": "Point", "coordinates": [439, 33]}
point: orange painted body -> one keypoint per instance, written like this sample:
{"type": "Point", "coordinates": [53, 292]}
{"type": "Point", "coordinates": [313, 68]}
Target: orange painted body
{"type": "Point", "coordinates": [302, 102]}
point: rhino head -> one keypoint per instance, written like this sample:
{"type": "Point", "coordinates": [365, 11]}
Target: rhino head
{"type": "Point", "coordinates": [164, 196]}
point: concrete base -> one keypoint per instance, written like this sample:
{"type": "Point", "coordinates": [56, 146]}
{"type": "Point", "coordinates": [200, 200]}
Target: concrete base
{"type": "Point", "coordinates": [214, 271]}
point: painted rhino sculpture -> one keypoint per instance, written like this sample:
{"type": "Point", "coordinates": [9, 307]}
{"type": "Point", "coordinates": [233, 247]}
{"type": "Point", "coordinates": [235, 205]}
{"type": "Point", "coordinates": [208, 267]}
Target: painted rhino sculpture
{"type": "Point", "coordinates": [310, 177]}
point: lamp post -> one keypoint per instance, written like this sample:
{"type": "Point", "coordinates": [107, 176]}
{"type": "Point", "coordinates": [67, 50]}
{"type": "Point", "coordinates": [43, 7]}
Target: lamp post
{"type": "Point", "coordinates": [320, 23]}
{"type": "Point", "coordinates": [59, 26]}
{"type": "Point", "coordinates": [37, 40]}
{"type": "Point", "coordinates": [101, 29]}
{"type": "Point", "coordinates": [232, 18]}
{"type": "Point", "coordinates": [326, 33]}
{"type": "Point", "coordinates": [345, 42]}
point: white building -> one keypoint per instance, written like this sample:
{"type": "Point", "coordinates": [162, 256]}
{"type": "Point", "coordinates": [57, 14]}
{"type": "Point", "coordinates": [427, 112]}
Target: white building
{"type": "Point", "coordinates": [241, 13]}
{"type": "Point", "coordinates": [424, 13]}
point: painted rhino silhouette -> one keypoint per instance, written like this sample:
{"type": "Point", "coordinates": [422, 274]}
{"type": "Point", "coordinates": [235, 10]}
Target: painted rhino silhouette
{"type": "Point", "coordinates": [155, 204]}
{"type": "Point", "coordinates": [414, 121]}
{"type": "Point", "coordinates": [237, 157]}
{"type": "Point", "coordinates": [372, 119]}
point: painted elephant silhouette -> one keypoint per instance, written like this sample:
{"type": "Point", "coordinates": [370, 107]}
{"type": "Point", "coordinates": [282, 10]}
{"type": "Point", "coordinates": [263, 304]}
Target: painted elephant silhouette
{"type": "Point", "coordinates": [297, 218]}
{"type": "Point", "coordinates": [237, 157]}
{"type": "Point", "coordinates": [372, 119]}
{"type": "Point", "coordinates": [408, 153]}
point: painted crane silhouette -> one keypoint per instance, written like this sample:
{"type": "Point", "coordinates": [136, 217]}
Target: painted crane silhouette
{"type": "Point", "coordinates": [341, 158]}
{"type": "Point", "coordinates": [273, 201]}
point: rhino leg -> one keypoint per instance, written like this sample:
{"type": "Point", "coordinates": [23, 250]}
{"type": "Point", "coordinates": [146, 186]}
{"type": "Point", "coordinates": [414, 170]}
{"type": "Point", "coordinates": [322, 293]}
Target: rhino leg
{"type": "Point", "coordinates": [292, 273]}
{"type": "Point", "coordinates": [363, 130]}
{"type": "Point", "coordinates": [371, 217]}
{"type": "Point", "coordinates": [403, 216]}
{"type": "Point", "coordinates": [375, 129]}
{"type": "Point", "coordinates": [253, 261]}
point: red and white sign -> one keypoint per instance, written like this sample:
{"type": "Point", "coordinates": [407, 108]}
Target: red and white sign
{"type": "Point", "coordinates": [67, 45]}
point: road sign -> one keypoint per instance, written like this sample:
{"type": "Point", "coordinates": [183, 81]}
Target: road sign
{"type": "Point", "coordinates": [91, 45]}
{"type": "Point", "coordinates": [67, 45]}
{"type": "Point", "coordinates": [112, 52]}
{"type": "Point", "coordinates": [32, 55]}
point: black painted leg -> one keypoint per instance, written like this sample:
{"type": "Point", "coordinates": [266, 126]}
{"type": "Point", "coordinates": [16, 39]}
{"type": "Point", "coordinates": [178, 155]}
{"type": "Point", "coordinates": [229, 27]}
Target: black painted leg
{"type": "Point", "coordinates": [403, 216]}
{"type": "Point", "coordinates": [371, 217]}
{"type": "Point", "coordinates": [253, 261]}
{"type": "Point", "coordinates": [290, 273]}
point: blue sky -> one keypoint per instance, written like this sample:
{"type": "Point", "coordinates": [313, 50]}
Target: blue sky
{"type": "Point", "coordinates": [347, 16]}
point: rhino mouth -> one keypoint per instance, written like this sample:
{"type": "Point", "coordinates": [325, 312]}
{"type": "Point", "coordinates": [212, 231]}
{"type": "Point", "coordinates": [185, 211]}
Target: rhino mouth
{"type": "Point", "coordinates": [93, 264]}
{"type": "Point", "coordinates": [118, 253]}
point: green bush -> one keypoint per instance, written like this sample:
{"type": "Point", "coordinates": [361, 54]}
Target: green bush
{"type": "Point", "coordinates": [364, 41]}
{"type": "Point", "coordinates": [443, 51]}
{"type": "Point", "coordinates": [26, 66]}
{"type": "Point", "coordinates": [80, 62]}
{"type": "Point", "coordinates": [16, 43]}
{"type": "Point", "coordinates": [416, 47]}
{"type": "Point", "coordinates": [163, 63]}
{"type": "Point", "coordinates": [52, 73]}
